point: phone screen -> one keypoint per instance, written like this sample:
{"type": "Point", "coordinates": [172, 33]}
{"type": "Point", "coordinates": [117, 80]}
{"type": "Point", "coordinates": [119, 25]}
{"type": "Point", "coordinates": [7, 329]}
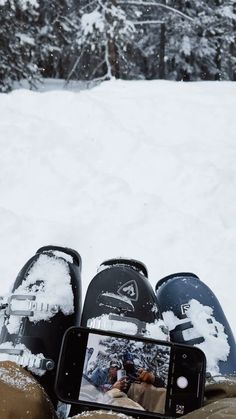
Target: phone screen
{"type": "Point", "coordinates": [124, 372]}
{"type": "Point", "coordinates": [129, 374]}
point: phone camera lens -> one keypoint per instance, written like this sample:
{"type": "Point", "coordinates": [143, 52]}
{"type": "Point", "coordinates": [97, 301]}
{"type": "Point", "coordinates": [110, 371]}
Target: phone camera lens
{"type": "Point", "coordinates": [182, 382]}
{"type": "Point", "coordinates": [184, 356]}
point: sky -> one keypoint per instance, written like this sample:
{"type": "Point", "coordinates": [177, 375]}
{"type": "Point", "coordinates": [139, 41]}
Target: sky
{"type": "Point", "coordinates": [139, 169]}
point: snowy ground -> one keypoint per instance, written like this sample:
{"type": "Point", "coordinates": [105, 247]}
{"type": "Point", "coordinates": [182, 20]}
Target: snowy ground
{"type": "Point", "coordinates": [140, 169]}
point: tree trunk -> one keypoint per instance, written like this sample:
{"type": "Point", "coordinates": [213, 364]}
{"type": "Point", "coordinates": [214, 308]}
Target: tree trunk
{"type": "Point", "coordinates": [113, 55]}
{"type": "Point", "coordinates": [162, 52]}
{"type": "Point", "coordinates": [113, 58]}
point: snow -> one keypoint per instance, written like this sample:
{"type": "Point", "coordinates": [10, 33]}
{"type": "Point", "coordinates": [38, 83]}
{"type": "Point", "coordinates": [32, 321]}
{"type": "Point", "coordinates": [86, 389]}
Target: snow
{"type": "Point", "coordinates": [49, 281]}
{"type": "Point", "coordinates": [63, 255]}
{"type": "Point", "coordinates": [139, 169]}
{"type": "Point", "coordinates": [227, 12]}
{"type": "Point", "coordinates": [215, 345]}
{"type": "Point", "coordinates": [89, 20]}
{"type": "Point", "coordinates": [26, 3]}
{"type": "Point", "coordinates": [186, 46]}
{"type": "Point", "coordinates": [100, 412]}
{"type": "Point", "coordinates": [25, 39]}
{"type": "Point", "coordinates": [155, 330]}
{"type": "Point", "coordinates": [105, 322]}
{"type": "Point", "coordinates": [15, 378]}
{"type": "Point", "coordinates": [33, 362]}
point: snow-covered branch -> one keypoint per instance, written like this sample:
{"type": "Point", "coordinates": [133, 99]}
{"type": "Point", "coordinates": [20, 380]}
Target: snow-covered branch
{"type": "Point", "coordinates": [107, 60]}
{"type": "Point", "coordinates": [146, 22]}
{"type": "Point", "coordinates": [155, 4]}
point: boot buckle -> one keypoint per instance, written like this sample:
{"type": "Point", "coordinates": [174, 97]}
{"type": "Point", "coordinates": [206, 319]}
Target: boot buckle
{"type": "Point", "coordinates": [31, 361]}
{"type": "Point", "coordinates": [15, 299]}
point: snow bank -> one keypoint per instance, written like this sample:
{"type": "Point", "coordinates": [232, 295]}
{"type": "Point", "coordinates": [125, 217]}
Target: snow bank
{"type": "Point", "coordinates": [140, 169]}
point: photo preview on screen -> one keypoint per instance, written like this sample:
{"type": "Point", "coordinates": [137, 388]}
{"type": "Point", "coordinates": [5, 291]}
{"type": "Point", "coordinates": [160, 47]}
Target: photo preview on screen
{"type": "Point", "coordinates": [125, 372]}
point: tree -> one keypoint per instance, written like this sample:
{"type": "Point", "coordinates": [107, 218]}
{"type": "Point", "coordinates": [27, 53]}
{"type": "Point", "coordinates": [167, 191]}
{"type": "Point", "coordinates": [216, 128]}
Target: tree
{"type": "Point", "coordinates": [17, 42]}
{"type": "Point", "coordinates": [129, 39]}
{"type": "Point", "coordinates": [57, 29]}
{"type": "Point", "coordinates": [104, 35]}
{"type": "Point", "coordinates": [149, 356]}
{"type": "Point", "coordinates": [201, 49]}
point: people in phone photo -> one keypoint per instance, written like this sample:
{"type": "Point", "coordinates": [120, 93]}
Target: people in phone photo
{"type": "Point", "coordinates": [144, 391]}
{"type": "Point", "coordinates": [106, 378]}
{"type": "Point", "coordinates": [126, 380]}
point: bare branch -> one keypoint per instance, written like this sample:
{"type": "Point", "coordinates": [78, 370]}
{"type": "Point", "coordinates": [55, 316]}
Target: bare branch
{"type": "Point", "coordinates": [75, 65]}
{"type": "Point", "coordinates": [88, 5]}
{"type": "Point", "coordinates": [98, 66]}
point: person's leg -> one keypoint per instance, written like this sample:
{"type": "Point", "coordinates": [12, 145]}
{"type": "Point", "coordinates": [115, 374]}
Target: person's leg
{"type": "Point", "coordinates": [21, 395]}
{"type": "Point", "coordinates": [101, 414]}
{"type": "Point", "coordinates": [220, 402]}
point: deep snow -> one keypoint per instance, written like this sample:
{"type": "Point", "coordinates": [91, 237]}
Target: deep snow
{"type": "Point", "coordinates": [142, 169]}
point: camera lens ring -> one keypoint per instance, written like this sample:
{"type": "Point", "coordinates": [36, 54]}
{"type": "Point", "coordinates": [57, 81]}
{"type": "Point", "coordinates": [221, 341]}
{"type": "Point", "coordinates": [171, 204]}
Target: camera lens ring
{"type": "Point", "coordinates": [182, 382]}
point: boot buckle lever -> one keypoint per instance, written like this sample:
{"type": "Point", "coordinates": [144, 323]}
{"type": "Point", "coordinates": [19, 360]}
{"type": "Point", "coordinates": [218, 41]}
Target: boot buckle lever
{"type": "Point", "coordinates": [18, 311]}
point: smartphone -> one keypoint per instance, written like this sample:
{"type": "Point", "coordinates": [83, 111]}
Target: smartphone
{"type": "Point", "coordinates": [161, 379]}
{"type": "Point", "coordinates": [121, 374]}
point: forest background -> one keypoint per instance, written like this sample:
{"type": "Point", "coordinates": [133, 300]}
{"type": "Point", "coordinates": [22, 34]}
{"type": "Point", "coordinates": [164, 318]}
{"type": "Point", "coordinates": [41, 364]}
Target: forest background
{"type": "Point", "coordinates": [95, 40]}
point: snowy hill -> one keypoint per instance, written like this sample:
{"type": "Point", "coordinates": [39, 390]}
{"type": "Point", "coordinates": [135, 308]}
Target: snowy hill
{"type": "Point", "coordinates": [136, 169]}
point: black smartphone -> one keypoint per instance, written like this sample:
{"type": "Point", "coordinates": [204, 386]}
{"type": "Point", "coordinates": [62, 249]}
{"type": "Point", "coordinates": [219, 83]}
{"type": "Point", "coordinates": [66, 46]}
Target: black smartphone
{"type": "Point", "coordinates": [132, 375]}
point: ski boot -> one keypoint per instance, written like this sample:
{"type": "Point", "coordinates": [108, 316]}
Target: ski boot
{"type": "Point", "coordinates": [194, 316]}
{"type": "Point", "coordinates": [44, 302]}
{"type": "Point", "coordinates": [120, 298]}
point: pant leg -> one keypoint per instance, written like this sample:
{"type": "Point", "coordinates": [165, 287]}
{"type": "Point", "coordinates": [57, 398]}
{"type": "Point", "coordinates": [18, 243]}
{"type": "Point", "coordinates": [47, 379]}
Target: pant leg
{"type": "Point", "coordinates": [220, 401]}
{"type": "Point", "coordinates": [21, 396]}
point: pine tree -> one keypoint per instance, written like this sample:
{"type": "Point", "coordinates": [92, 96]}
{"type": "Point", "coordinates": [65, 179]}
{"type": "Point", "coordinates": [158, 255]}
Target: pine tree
{"type": "Point", "coordinates": [129, 39]}
{"type": "Point", "coordinates": [200, 48]}
{"type": "Point", "coordinates": [57, 29]}
{"type": "Point", "coordinates": [17, 42]}
{"type": "Point", "coordinates": [154, 358]}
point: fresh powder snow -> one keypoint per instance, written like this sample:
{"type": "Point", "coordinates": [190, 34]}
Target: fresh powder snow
{"type": "Point", "coordinates": [139, 169]}
{"type": "Point", "coordinates": [15, 378]}
{"type": "Point", "coordinates": [25, 358]}
{"type": "Point", "coordinates": [107, 322]}
{"type": "Point", "coordinates": [215, 346]}
{"type": "Point", "coordinates": [49, 280]}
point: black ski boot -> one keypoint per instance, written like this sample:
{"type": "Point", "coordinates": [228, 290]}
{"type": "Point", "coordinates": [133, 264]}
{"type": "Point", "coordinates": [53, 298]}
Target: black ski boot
{"type": "Point", "coordinates": [120, 298]}
{"type": "Point", "coordinates": [44, 302]}
{"type": "Point", "coordinates": [194, 316]}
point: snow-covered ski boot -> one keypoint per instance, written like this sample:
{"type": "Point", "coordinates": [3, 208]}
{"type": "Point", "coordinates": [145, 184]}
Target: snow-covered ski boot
{"type": "Point", "coordinates": [194, 316]}
{"type": "Point", "coordinates": [44, 302]}
{"type": "Point", "coordinates": [120, 298]}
